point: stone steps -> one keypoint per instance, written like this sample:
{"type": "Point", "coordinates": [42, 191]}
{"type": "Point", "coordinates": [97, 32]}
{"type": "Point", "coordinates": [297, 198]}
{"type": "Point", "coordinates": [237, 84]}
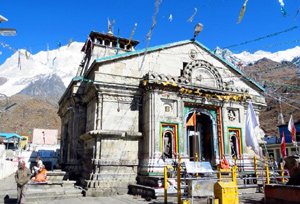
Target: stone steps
{"type": "Point", "coordinates": [50, 198]}
{"type": "Point", "coordinates": [55, 189]}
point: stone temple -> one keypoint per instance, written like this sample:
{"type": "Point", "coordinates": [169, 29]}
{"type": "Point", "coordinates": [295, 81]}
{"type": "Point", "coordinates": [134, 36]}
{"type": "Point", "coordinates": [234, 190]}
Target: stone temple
{"type": "Point", "coordinates": [130, 112]}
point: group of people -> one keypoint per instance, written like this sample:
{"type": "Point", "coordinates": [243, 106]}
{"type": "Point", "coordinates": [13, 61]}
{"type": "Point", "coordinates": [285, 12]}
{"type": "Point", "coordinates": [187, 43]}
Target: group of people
{"type": "Point", "coordinates": [23, 175]}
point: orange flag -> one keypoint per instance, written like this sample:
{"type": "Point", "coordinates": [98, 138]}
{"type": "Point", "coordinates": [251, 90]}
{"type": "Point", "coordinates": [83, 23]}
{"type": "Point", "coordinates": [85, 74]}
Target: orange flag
{"type": "Point", "coordinates": [192, 120]}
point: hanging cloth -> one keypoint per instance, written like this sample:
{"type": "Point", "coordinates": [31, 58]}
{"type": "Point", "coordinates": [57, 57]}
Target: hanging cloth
{"type": "Point", "coordinates": [242, 12]}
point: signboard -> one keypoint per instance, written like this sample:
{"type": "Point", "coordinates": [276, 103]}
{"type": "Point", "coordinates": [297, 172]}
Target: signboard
{"type": "Point", "coordinates": [201, 188]}
{"type": "Point", "coordinates": [198, 167]}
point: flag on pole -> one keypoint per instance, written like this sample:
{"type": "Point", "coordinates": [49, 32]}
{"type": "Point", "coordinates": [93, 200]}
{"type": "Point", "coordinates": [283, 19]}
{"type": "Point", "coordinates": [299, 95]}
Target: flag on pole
{"type": "Point", "coordinates": [292, 129]}
{"type": "Point", "coordinates": [283, 146]}
{"type": "Point", "coordinates": [192, 120]}
{"type": "Point", "coordinates": [251, 124]}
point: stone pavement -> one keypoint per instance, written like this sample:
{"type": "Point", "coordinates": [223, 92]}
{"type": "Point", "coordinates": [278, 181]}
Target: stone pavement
{"type": "Point", "coordinates": [8, 194]}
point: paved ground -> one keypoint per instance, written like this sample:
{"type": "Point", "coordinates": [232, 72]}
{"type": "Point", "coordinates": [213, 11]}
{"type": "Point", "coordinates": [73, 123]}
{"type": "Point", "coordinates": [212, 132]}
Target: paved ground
{"type": "Point", "coordinates": [8, 195]}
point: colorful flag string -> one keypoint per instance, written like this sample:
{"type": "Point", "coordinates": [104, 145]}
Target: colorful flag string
{"type": "Point", "coordinates": [118, 42]}
{"type": "Point", "coordinates": [193, 15]}
{"type": "Point", "coordinates": [170, 17]}
{"type": "Point", "coordinates": [282, 10]}
{"type": "Point", "coordinates": [149, 34]}
{"type": "Point", "coordinates": [157, 4]}
{"type": "Point", "coordinates": [132, 33]}
{"type": "Point", "coordinates": [19, 60]}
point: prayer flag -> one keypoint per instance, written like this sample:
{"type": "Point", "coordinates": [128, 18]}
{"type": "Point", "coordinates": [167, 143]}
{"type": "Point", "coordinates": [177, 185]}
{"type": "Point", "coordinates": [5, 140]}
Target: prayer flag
{"type": "Point", "coordinates": [251, 124]}
{"type": "Point", "coordinates": [283, 146]}
{"type": "Point", "coordinates": [171, 18]}
{"type": "Point", "coordinates": [109, 24]}
{"type": "Point", "coordinates": [242, 12]}
{"type": "Point", "coordinates": [292, 129]}
{"type": "Point", "coordinates": [19, 60]}
{"type": "Point", "coordinates": [192, 17]}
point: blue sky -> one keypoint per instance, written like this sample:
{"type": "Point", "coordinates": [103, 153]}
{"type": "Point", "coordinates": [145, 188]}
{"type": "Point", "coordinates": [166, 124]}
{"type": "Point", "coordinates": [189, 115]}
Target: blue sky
{"type": "Point", "coordinates": [55, 22]}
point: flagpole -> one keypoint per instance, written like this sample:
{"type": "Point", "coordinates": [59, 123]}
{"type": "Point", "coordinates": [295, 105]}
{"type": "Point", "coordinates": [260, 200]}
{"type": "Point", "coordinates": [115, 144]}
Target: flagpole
{"type": "Point", "coordinates": [195, 136]}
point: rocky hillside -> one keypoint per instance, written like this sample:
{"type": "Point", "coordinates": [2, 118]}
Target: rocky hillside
{"type": "Point", "coordinates": [282, 86]}
{"type": "Point", "coordinates": [28, 113]}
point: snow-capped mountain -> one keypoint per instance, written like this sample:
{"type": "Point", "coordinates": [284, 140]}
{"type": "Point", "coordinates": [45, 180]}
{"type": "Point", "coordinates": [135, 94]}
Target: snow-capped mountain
{"type": "Point", "coordinates": [245, 58]}
{"type": "Point", "coordinates": [22, 69]}
{"type": "Point", "coordinates": [296, 61]}
{"type": "Point", "coordinates": [49, 88]}
{"type": "Point", "coordinates": [227, 55]}
{"type": "Point", "coordinates": [290, 55]}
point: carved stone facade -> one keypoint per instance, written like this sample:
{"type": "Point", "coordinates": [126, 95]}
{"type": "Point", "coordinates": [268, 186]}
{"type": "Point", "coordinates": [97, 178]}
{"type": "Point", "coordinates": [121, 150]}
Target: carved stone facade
{"type": "Point", "coordinates": [131, 113]}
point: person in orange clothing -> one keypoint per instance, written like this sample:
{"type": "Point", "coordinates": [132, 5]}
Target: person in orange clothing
{"type": "Point", "coordinates": [224, 164]}
{"type": "Point", "coordinates": [41, 176]}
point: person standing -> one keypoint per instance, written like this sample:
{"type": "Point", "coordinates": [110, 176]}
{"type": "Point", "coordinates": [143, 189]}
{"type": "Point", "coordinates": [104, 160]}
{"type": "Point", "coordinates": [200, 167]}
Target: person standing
{"type": "Point", "coordinates": [22, 177]}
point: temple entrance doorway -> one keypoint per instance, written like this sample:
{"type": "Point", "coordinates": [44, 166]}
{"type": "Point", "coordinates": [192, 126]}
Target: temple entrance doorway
{"type": "Point", "coordinates": [200, 136]}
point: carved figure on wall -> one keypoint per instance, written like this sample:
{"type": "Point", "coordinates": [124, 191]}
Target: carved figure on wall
{"type": "Point", "coordinates": [231, 115]}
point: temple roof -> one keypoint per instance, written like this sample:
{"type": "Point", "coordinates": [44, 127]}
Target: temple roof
{"type": "Point", "coordinates": [116, 40]}
{"type": "Point", "coordinates": [160, 47]}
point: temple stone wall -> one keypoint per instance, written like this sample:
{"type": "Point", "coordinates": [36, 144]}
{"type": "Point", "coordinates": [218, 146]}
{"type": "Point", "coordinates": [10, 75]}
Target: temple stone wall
{"type": "Point", "coordinates": [114, 164]}
{"type": "Point", "coordinates": [119, 114]}
{"type": "Point", "coordinates": [91, 109]}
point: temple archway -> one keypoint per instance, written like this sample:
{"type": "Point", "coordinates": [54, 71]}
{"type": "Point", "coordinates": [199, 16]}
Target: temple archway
{"type": "Point", "coordinates": [201, 135]}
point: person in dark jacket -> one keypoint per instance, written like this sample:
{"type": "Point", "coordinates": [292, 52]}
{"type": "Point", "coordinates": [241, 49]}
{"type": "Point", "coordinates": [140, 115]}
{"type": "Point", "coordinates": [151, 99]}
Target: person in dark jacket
{"type": "Point", "coordinates": [22, 177]}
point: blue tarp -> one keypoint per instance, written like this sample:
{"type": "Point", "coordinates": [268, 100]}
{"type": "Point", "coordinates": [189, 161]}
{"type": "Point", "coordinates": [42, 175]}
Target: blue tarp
{"type": "Point", "coordinates": [10, 135]}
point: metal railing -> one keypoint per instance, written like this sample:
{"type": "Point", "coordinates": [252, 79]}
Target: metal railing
{"type": "Point", "coordinates": [250, 170]}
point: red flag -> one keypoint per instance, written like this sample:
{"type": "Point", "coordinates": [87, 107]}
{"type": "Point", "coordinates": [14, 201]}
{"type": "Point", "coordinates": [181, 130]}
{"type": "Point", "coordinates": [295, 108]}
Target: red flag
{"type": "Point", "coordinates": [283, 146]}
{"type": "Point", "coordinates": [292, 129]}
{"type": "Point", "coordinates": [192, 120]}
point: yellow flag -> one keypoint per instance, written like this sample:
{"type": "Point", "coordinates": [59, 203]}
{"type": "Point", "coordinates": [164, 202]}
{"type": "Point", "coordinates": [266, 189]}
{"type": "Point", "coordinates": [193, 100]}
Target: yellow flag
{"type": "Point", "coordinates": [242, 12]}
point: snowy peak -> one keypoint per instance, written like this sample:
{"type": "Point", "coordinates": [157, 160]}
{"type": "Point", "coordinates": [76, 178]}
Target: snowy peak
{"type": "Point", "coordinates": [48, 88]}
{"type": "Point", "coordinates": [286, 55]}
{"type": "Point", "coordinates": [227, 55]}
{"type": "Point", "coordinates": [296, 61]}
{"type": "Point", "coordinates": [23, 68]}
